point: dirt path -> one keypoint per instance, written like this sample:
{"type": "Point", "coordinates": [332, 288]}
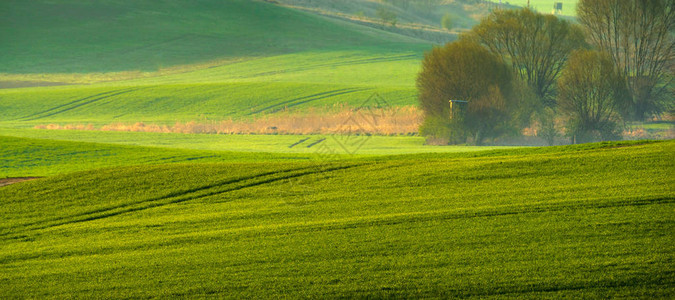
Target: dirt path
{"type": "Point", "coordinates": [8, 181]}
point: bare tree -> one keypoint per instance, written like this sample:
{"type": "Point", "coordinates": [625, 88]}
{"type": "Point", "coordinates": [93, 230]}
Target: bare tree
{"type": "Point", "coordinates": [638, 36]}
{"type": "Point", "coordinates": [536, 45]}
{"type": "Point", "coordinates": [592, 96]}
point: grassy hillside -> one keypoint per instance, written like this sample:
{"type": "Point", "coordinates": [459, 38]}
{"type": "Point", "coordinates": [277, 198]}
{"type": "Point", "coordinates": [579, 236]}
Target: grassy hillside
{"type": "Point", "coordinates": [570, 222]}
{"type": "Point", "coordinates": [248, 88]}
{"type": "Point", "coordinates": [166, 215]}
{"type": "Point", "coordinates": [25, 157]}
{"type": "Point", "coordinates": [407, 12]}
{"type": "Point", "coordinates": [105, 36]}
{"type": "Point", "coordinates": [546, 6]}
{"type": "Point", "coordinates": [419, 19]}
{"type": "Point", "coordinates": [17, 143]}
{"type": "Point", "coordinates": [171, 61]}
{"type": "Point", "coordinates": [168, 61]}
{"type": "Point", "coordinates": [171, 103]}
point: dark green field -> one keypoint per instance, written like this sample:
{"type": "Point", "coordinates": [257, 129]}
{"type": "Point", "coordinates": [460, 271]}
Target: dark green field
{"type": "Point", "coordinates": [129, 215]}
{"type": "Point", "coordinates": [586, 221]}
{"type": "Point", "coordinates": [108, 36]}
{"type": "Point", "coordinates": [140, 61]}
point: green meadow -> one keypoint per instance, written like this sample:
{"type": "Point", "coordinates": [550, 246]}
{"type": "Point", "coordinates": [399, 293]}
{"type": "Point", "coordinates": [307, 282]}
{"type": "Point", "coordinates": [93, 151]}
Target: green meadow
{"type": "Point", "coordinates": [566, 222]}
{"type": "Point", "coordinates": [235, 59]}
{"type": "Point", "coordinates": [166, 104]}
{"type": "Point", "coordinates": [301, 144]}
{"type": "Point", "coordinates": [546, 6]}
{"type": "Point", "coordinates": [104, 36]}
{"type": "Point", "coordinates": [21, 157]}
{"type": "Point", "coordinates": [128, 215]}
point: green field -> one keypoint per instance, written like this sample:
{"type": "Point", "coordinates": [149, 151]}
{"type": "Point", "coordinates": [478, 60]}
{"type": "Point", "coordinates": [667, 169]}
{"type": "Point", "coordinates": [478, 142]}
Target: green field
{"type": "Point", "coordinates": [568, 222]}
{"type": "Point", "coordinates": [107, 36]}
{"type": "Point", "coordinates": [25, 157]}
{"type": "Point", "coordinates": [240, 90]}
{"type": "Point", "coordinates": [357, 145]}
{"type": "Point", "coordinates": [181, 102]}
{"type": "Point", "coordinates": [294, 74]}
{"type": "Point", "coordinates": [546, 6]}
{"type": "Point", "coordinates": [129, 215]}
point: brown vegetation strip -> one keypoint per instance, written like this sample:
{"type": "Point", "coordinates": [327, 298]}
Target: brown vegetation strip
{"type": "Point", "coordinates": [381, 121]}
{"type": "Point", "coordinates": [8, 181]}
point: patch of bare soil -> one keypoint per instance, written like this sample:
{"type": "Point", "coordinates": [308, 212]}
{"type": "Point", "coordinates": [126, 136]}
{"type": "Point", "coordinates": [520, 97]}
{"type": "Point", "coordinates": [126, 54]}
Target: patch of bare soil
{"type": "Point", "coordinates": [8, 181]}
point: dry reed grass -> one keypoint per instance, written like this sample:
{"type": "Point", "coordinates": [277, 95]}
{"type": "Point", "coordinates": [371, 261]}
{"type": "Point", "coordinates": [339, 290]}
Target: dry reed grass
{"type": "Point", "coordinates": [378, 121]}
{"type": "Point", "coordinates": [337, 120]}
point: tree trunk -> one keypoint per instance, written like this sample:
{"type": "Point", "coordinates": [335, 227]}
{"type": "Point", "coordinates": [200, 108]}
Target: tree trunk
{"type": "Point", "coordinates": [478, 139]}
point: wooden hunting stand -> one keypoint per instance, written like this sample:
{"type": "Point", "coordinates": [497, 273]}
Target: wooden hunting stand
{"type": "Point", "coordinates": [457, 108]}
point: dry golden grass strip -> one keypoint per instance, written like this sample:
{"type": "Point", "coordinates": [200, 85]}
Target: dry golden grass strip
{"type": "Point", "coordinates": [379, 121]}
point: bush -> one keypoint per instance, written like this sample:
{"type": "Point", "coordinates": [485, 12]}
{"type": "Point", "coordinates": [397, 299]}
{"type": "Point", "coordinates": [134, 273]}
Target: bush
{"type": "Point", "coordinates": [464, 70]}
{"type": "Point", "coordinates": [592, 96]}
{"type": "Point", "coordinates": [386, 15]}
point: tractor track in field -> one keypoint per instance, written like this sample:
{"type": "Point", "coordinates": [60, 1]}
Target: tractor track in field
{"type": "Point", "coordinates": [378, 220]}
{"type": "Point", "coordinates": [337, 64]}
{"type": "Point", "coordinates": [77, 103]}
{"type": "Point", "coordinates": [219, 188]}
{"type": "Point", "coordinates": [306, 99]}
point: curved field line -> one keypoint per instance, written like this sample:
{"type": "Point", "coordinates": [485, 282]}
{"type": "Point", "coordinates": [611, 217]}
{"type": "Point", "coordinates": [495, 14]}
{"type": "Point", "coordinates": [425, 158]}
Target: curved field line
{"type": "Point", "coordinates": [170, 195]}
{"type": "Point", "coordinates": [375, 220]}
{"type": "Point", "coordinates": [76, 104]}
{"type": "Point", "coordinates": [337, 64]}
{"type": "Point", "coordinates": [332, 95]}
{"type": "Point", "coordinates": [176, 197]}
{"type": "Point", "coordinates": [301, 100]}
{"type": "Point", "coordinates": [66, 104]}
{"type": "Point", "coordinates": [375, 60]}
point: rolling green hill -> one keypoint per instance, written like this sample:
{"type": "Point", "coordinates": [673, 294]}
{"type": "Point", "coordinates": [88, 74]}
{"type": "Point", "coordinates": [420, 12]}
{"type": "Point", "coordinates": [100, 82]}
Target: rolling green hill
{"type": "Point", "coordinates": [106, 36]}
{"type": "Point", "coordinates": [27, 153]}
{"type": "Point", "coordinates": [26, 157]}
{"type": "Point", "coordinates": [420, 19]}
{"type": "Point", "coordinates": [546, 6]}
{"type": "Point", "coordinates": [168, 215]}
{"type": "Point", "coordinates": [168, 61]}
{"type": "Point", "coordinates": [170, 103]}
{"type": "Point", "coordinates": [243, 89]}
{"type": "Point", "coordinates": [570, 222]}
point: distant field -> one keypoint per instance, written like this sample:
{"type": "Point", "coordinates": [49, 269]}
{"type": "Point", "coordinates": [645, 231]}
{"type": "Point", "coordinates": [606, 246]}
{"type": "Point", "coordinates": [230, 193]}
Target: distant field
{"type": "Point", "coordinates": [110, 36]}
{"type": "Point", "coordinates": [588, 221]}
{"type": "Point", "coordinates": [240, 90]}
{"type": "Point", "coordinates": [238, 84]}
{"type": "Point", "coordinates": [364, 145]}
{"type": "Point", "coordinates": [546, 6]}
{"type": "Point", "coordinates": [22, 157]}
{"type": "Point", "coordinates": [228, 75]}
{"type": "Point", "coordinates": [168, 215]}
{"type": "Point", "coordinates": [183, 102]}
{"type": "Point", "coordinates": [191, 61]}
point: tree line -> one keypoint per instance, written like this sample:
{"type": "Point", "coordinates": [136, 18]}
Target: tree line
{"type": "Point", "coordinates": [520, 68]}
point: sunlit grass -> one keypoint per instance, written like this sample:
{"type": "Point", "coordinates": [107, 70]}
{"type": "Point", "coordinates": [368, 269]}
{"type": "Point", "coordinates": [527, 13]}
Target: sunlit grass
{"type": "Point", "coordinates": [91, 37]}
{"type": "Point", "coordinates": [565, 222]}
{"type": "Point", "coordinates": [546, 6]}
{"type": "Point", "coordinates": [307, 144]}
